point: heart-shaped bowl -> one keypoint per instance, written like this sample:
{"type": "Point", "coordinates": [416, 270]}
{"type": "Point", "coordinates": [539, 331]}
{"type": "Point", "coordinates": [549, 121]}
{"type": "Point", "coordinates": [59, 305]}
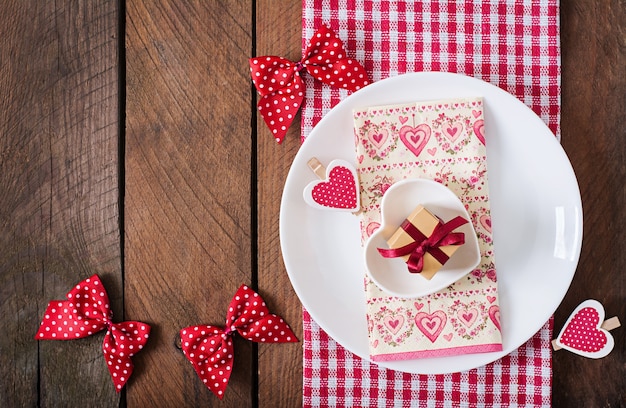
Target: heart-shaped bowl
{"type": "Point", "coordinates": [391, 274]}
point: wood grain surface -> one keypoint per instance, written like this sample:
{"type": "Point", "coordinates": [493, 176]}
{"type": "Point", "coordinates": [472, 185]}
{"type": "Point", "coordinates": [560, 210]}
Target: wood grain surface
{"type": "Point", "coordinates": [593, 125]}
{"type": "Point", "coordinates": [130, 146]}
{"type": "Point", "coordinates": [188, 217]}
{"type": "Point", "coordinates": [280, 366]}
{"type": "Point", "coordinates": [59, 128]}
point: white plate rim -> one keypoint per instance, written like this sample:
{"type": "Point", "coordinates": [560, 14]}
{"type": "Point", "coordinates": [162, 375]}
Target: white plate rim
{"type": "Point", "coordinates": [426, 86]}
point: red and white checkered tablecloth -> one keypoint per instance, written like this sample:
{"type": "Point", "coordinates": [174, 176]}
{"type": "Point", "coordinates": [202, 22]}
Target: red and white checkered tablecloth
{"type": "Point", "coordinates": [513, 44]}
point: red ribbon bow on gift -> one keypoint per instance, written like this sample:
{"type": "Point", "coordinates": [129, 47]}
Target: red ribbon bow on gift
{"type": "Point", "coordinates": [442, 235]}
{"type": "Point", "coordinates": [87, 312]}
{"type": "Point", "coordinates": [210, 348]}
{"type": "Point", "coordinates": [281, 88]}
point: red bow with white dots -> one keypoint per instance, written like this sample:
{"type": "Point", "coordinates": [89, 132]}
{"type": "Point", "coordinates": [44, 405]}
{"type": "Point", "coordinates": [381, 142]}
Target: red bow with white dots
{"type": "Point", "coordinates": [282, 89]}
{"type": "Point", "coordinates": [85, 312]}
{"type": "Point", "coordinates": [210, 348]}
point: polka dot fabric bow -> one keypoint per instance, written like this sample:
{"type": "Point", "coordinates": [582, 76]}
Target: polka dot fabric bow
{"type": "Point", "coordinates": [280, 85]}
{"type": "Point", "coordinates": [85, 312]}
{"type": "Point", "coordinates": [210, 348]}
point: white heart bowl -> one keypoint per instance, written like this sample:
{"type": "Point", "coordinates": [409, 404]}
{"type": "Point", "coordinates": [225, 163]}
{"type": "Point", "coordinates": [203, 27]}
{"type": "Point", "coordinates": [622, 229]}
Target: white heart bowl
{"type": "Point", "coordinates": [391, 274]}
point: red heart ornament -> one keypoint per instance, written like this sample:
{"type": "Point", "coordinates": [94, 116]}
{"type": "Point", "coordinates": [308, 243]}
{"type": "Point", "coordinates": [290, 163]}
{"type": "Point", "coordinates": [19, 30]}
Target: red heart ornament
{"type": "Point", "coordinates": [582, 333]}
{"type": "Point", "coordinates": [340, 190]}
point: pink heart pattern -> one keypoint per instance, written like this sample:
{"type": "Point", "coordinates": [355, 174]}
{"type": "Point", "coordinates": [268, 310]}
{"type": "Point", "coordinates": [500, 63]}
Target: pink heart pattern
{"type": "Point", "coordinates": [378, 137]}
{"type": "Point", "coordinates": [494, 315]}
{"type": "Point", "coordinates": [467, 317]}
{"type": "Point", "coordinates": [431, 324]}
{"type": "Point", "coordinates": [393, 323]}
{"type": "Point", "coordinates": [372, 227]}
{"type": "Point", "coordinates": [453, 131]}
{"type": "Point", "coordinates": [445, 141]}
{"type": "Point", "coordinates": [479, 129]}
{"type": "Point", "coordinates": [582, 333]}
{"type": "Point", "coordinates": [485, 221]}
{"type": "Point", "coordinates": [415, 138]}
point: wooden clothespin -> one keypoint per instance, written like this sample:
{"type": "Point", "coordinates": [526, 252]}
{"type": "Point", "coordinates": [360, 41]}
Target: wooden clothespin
{"type": "Point", "coordinates": [317, 167]}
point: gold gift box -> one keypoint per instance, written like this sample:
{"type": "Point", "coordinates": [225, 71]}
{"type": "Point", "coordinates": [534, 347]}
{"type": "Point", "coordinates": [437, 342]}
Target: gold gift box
{"type": "Point", "coordinates": [425, 222]}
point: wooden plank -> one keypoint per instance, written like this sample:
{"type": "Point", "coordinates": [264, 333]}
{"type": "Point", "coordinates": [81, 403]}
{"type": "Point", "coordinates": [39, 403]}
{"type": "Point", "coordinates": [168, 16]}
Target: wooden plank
{"type": "Point", "coordinates": [59, 218]}
{"type": "Point", "coordinates": [278, 32]}
{"type": "Point", "coordinates": [593, 123]}
{"type": "Point", "coordinates": [188, 241]}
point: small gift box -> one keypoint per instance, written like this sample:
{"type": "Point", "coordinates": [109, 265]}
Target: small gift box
{"type": "Point", "coordinates": [425, 242]}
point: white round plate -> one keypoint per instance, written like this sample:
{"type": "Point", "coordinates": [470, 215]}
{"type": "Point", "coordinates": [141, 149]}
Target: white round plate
{"type": "Point", "coordinates": [536, 213]}
{"type": "Point", "coordinates": [399, 201]}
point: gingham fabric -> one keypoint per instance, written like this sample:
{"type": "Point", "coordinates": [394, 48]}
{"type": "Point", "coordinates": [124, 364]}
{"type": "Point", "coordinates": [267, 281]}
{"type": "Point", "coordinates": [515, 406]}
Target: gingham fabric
{"type": "Point", "coordinates": [334, 377]}
{"type": "Point", "coordinates": [513, 44]}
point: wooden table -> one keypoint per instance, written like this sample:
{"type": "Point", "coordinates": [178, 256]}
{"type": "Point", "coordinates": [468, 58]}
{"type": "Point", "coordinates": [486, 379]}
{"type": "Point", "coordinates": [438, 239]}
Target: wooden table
{"type": "Point", "coordinates": [130, 147]}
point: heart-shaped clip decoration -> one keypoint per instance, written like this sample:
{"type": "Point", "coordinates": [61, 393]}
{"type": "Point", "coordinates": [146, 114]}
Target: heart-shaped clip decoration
{"type": "Point", "coordinates": [586, 332]}
{"type": "Point", "coordinates": [338, 190]}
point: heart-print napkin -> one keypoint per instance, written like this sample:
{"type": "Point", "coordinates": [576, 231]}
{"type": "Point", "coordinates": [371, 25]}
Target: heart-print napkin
{"type": "Point", "coordinates": [442, 141]}
{"type": "Point", "coordinates": [514, 45]}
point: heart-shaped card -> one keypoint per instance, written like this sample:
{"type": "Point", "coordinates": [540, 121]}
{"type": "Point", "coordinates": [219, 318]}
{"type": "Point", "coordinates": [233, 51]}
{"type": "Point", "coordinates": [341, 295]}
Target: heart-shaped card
{"type": "Point", "coordinates": [339, 191]}
{"type": "Point", "coordinates": [583, 334]}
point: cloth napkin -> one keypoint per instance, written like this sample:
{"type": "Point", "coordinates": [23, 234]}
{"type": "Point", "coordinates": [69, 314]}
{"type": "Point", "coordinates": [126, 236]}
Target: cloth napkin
{"type": "Point", "coordinates": [512, 44]}
{"type": "Point", "coordinates": [441, 141]}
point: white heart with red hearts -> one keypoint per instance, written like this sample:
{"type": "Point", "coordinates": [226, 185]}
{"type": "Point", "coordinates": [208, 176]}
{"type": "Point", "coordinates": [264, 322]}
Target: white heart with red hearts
{"type": "Point", "coordinates": [582, 333]}
{"type": "Point", "coordinates": [338, 192]}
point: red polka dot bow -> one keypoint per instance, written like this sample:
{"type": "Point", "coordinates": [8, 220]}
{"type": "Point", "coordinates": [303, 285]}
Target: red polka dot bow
{"type": "Point", "coordinates": [85, 312]}
{"type": "Point", "coordinates": [210, 348]}
{"type": "Point", "coordinates": [281, 88]}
